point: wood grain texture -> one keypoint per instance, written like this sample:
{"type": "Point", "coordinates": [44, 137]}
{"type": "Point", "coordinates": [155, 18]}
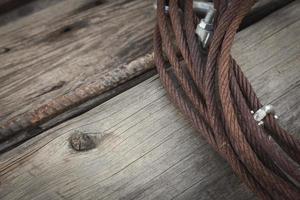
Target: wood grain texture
{"type": "Point", "coordinates": [72, 43]}
{"type": "Point", "coordinates": [53, 48]}
{"type": "Point", "coordinates": [63, 53]}
{"type": "Point", "coordinates": [261, 9]}
{"type": "Point", "coordinates": [146, 150]}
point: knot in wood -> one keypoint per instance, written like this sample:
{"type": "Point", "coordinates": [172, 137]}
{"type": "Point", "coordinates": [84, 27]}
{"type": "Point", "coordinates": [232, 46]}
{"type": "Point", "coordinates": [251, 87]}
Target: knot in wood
{"type": "Point", "coordinates": [82, 141]}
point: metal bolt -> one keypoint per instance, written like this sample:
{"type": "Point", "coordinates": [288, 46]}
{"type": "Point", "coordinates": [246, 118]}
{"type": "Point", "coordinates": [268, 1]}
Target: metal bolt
{"type": "Point", "coordinates": [200, 7]}
{"type": "Point", "coordinates": [204, 29]}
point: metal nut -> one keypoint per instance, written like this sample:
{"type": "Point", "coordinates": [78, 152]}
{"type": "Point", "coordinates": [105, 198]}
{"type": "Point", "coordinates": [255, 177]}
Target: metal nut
{"type": "Point", "coordinates": [204, 32]}
{"type": "Point", "coordinates": [205, 26]}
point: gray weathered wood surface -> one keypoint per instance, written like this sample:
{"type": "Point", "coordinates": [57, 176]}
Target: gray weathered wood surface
{"type": "Point", "coordinates": [146, 150]}
{"type": "Point", "coordinates": [71, 43]}
{"type": "Point", "coordinates": [51, 47]}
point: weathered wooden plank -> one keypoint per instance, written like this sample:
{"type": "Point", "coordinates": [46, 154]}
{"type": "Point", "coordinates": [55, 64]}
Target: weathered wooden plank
{"type": "Point", "coordinates": [53, 51]}
{"type": "Point", "coordinates": [77, 45]}
{"type": "Point", "coordinates": [261, 9]}
{"type": "Point", "coordinates": [146, 150]}
{"type": "Point", "coordinates": [74, 44]}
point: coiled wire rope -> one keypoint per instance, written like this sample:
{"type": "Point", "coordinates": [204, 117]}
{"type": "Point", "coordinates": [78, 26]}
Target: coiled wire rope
{"type": "Point", "coordinates": [210, 89]}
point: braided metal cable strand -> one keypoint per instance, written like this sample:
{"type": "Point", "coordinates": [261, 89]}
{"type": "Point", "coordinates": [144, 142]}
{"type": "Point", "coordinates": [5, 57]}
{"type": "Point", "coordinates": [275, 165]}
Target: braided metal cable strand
{"type": "Point", "coordinates": [210, 89]}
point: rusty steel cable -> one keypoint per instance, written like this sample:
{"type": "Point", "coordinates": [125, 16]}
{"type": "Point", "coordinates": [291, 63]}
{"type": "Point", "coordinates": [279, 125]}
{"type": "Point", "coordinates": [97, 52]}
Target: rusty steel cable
{"type": "Point", "coordinates": [209, 87]}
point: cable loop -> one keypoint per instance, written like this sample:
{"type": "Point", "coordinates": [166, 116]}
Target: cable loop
{"type": "Point", "coordinates": [211, 90]}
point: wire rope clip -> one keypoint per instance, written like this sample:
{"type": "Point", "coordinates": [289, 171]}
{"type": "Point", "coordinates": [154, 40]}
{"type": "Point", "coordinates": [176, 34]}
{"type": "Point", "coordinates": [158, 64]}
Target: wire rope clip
{"type": "Point", "coordinates": [205, 28]}
{"type": "Point", "coordinates": [200, 6]}
{"type": "Point", "coordinates": [261, 113]}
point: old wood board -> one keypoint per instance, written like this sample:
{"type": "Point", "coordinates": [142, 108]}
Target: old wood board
{"type": "Point", "coordinates": [51, 48]}
{"type": "Point", "coordinates": [71, 43]}
{"type": "Point", "coordinates": [146, 149]}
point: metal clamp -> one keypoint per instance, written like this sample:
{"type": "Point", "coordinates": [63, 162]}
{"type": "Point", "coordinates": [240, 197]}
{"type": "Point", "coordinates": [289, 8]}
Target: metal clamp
{"type": "Point", "coordinates": [200, 6]}
{"type": "Point", "coordinates": [261, 113]}
{"type": "Point", "coordinates": [205, 28]}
